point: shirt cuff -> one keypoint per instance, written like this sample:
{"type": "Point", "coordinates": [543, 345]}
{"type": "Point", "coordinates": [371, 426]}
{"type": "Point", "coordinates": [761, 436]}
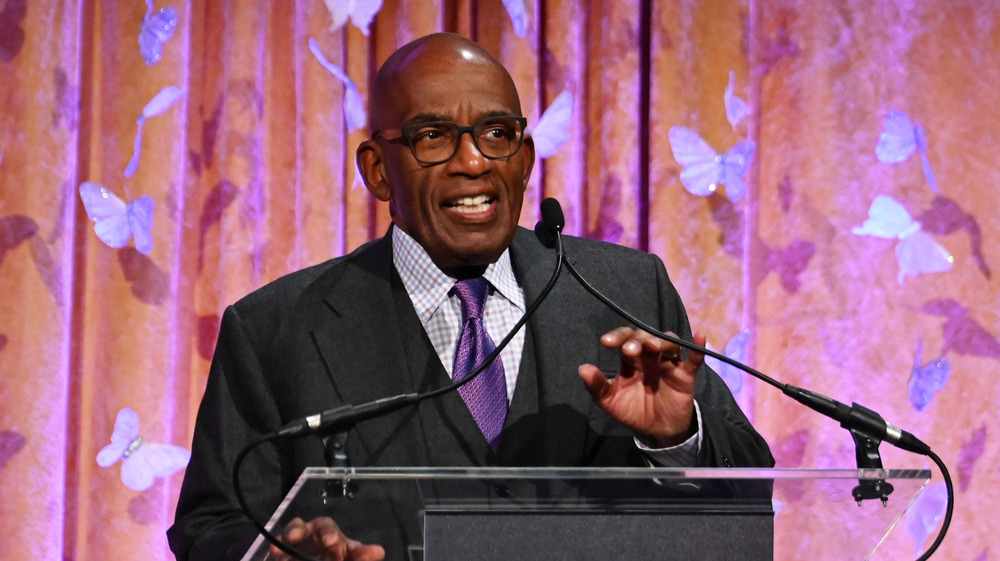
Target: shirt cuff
{"type": "Point", "coordinates": [684, 454]}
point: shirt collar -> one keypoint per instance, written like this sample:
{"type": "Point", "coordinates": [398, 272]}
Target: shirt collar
{"type": "Point", "coordinates": [428, 286]}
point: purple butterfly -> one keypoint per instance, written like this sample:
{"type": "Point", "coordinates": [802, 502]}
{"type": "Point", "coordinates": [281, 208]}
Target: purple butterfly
{"type": "Point", "coordinates": [360, 12]}
{"type": "Point", "coordinates": [11, 442]}
{"type": "Point", "coordinates": [354, 108]}
{"type": "Point", "coordinates": [736, 350]}
{"type": "Point", "coordinates": [899, 139]}
{"type": "Point", "coordinates": [704, 170]}
{"type": "Point", "coordinates": [115, 221]}
{"type": "Point", "coordinates": [518, 16]}
{"type": "Point", "coordinates": [553, 126]}
{"type": "Point", "coordinates": [155, 31]}
{"type": "Point", "coordinates": [916, 252]}
{"type": "Point", "coordinates": [926, 379]}
{"type": "Point", "coordinates": [967, 456]}
{"type": "Point", "coordinates": [160, 103]}
{"type": "Point", "coordinates": [141, 461]}
{"type": "Point", "coordinates": [11, 33]}
{"type": "Point", "coordinates": [925, 513]}
{"type": "Point", "coordinates": [736, 107]}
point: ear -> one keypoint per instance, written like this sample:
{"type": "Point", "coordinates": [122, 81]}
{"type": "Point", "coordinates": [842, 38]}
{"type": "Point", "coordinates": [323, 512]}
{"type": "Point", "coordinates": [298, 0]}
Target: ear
{"type": "Point", "coordinates": [527, 153]}
{"type": "Point", "coordinates": [370, 163]}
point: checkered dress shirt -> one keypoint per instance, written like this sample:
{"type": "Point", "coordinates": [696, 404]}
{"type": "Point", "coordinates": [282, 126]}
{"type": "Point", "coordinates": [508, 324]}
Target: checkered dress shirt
{"type": "Point", "coordinates": [441, 316]}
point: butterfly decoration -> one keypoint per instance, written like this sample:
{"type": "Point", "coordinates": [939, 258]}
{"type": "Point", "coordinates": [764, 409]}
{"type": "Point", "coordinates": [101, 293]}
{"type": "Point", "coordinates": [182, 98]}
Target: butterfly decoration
{"type": "Point", "coordinates": [971, 451]}
{"type": "Point", "coordinates": [704, 170]}
{"type": "Point", "coordinates": [961, 332]}
{"type": "Point", "coordinates": [925, 513]}
{"type": "Point", "coordinates": [15, 230]}
{"type": "Point", "coordinates": [360, 12]}
{"type": "Point", "coordinates": [553, 126]}
{"type": "Point", "coordinates": [518, 16]}
{"type": "Point", "coordinates": [354, 108]}
{"type": "Point", "coordinates": [11, 442]}
{"type": "Point", "coordinates": [899, 139]}
{"type": "Point", "coordinates": [116, 221]}
{"type": "Point", "coordinates": [160, 103]}
{"type": "Point", "coordinates": [916, 252]}
{"type": "Point", "coordinates": [736, 107]}
{"type": "Point", "coordinates": [141, 461]}
{"type": "Point", "coordinates": [155, 31]}
{"type": "Point", "coordinates": [736, 350]}
{"type": "Point", "coordinates": [11, 33]}
{"type": "Point", "coordinates": [926, 379]}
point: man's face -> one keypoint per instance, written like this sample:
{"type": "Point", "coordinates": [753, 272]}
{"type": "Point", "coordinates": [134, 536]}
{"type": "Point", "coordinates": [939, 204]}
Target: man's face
{"type": "Point", "coordinates": [463, 211]}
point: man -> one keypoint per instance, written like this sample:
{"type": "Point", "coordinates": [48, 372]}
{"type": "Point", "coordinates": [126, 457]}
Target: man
{"type": "Point", "coordinates": [393, 317]}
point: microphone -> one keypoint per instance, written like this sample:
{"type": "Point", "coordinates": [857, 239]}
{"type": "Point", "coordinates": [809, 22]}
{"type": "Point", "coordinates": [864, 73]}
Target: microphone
{"type": "Point", "coordinates": [346, 416]}
{"type": "Point", "coordinates": [854, 418]}
{"type": "Point", "coordinates": [863, 423]}
{"type": "Point", "coordinates": [551, 224]}
{"type": "Point", "coordinates": [340, 419]}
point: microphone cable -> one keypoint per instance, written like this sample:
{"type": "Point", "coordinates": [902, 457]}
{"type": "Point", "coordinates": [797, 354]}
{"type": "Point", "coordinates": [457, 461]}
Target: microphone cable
{"type": "Point", "coordinates": [346, 416]}
{"type": "Point", "coordinates": [855, 417]}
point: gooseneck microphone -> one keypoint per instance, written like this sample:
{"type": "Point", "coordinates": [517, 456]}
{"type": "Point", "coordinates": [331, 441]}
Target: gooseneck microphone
{"type": "Point", "coordinates": [344, 417]}
{"type": "Point", "coordinates": [859, 420]}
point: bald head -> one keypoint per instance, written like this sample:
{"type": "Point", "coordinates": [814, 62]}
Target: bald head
{"type": "Point", "coordinates": [439, 57]}
{"type": "Point", "coordinates": [463, 210]}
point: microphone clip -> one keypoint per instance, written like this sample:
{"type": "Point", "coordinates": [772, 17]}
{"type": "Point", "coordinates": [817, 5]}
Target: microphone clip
{"type": "Point", "coordinates": [867, 455]}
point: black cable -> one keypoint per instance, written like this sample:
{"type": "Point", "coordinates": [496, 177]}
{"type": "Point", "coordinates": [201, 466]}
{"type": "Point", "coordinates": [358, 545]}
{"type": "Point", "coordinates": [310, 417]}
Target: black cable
{"type": "Point", "coordinates": [246, 508]}
{"type": "Point", "coordinates": [948, 509]}
{"type": "Point", "coordinates": [354, 414]}
{"type": "Point", "coordinates": [817, 402]}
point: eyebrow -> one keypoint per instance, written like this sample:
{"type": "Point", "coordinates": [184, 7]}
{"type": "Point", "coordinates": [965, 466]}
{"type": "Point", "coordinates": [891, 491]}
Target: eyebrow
{"type": "Point", "coordinates": [432, 117]}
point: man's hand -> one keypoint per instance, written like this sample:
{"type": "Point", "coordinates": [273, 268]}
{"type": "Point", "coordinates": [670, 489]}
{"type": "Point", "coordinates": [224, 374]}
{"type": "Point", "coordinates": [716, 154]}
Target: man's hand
{"type": "Point", "coordinates": [322, 539]}
{"type": "Point", "coordinates": [653, 393]}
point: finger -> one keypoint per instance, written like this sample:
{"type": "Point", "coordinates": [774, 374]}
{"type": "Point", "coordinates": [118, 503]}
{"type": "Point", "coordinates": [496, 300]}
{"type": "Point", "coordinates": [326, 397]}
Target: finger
{"type": "Point", "coordinates": [616, 337]}
{"type": "Point", "coordinates": [694, 358]}
{"type": "Point", "coordinates": [594, 380]}
{"type": "Point", "coordinates": [371, 552]}
{"type": "Point", "coordinates": [296, 530]}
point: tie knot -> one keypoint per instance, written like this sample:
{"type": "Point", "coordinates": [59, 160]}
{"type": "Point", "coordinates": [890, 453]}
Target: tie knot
{"type": "Point", "coordinates": [472, 294]}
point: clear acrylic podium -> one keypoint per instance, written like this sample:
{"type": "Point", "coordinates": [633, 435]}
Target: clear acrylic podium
{"type": "Point", "coordinates": [583, 514]}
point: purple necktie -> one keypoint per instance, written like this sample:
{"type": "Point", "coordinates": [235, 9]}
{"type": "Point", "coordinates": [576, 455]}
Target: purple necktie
{"type": "Point", "coordinates": [486, 395]}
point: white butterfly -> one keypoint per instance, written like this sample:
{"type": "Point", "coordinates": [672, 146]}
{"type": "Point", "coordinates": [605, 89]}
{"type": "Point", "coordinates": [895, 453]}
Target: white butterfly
{"type": "Point", "coordinates": [736, 108]}
{"type": "Point", "coordinates": [916, 252]}
{"type": "Point", "coordinates": [160, 103]}
{"type": "Point", "coordinates": [115, 221]}
{"type": "Point", "coordinates": [141, 461]}
{"type": "Point", "coordinates": [155, 31]}
{"type": "Point", "coordinates": [360, 12]}
{"type": "Point", "coordinates": [899, 139]}
{"type": "Point", "coordinates": [704, 169]}
{"type": "Point", "coordinates": [736, 350]}
{"type": "Point", "coordinates": [518, 16]}
{"type": "Point", "coordinates": [354, 108]}
{"type": "Point", "coordinates": [553, 126]}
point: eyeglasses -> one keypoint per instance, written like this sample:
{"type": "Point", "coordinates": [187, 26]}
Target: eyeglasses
{"type": "Point", "coordinates": [436, 142]}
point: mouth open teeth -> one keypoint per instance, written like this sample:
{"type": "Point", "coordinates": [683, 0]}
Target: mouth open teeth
{"type": "Point", "coordinates": [471, 205]}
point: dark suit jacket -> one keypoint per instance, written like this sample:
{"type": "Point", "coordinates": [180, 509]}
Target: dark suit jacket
{"type": "Point", "coordinates": [345, 332]}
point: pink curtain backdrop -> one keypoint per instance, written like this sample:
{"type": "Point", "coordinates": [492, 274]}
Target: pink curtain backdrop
{"type": "Point", "coordinates": [252, 175]}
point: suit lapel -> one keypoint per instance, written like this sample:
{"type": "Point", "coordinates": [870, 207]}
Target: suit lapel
{"type": "Point", "coordinates": [372, 366]}
{"type": "Point", "coordinates": [561, 338]}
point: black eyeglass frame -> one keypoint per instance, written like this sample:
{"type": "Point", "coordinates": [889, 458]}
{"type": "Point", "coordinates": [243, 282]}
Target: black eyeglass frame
{"type": "Point", "coordinates": [405, 131]}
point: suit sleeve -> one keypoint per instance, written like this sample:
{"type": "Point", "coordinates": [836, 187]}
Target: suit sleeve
{"type": "Point", "coordinates": [236, 409]}
{"type": "Point", "coordinates": [729, 440]}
